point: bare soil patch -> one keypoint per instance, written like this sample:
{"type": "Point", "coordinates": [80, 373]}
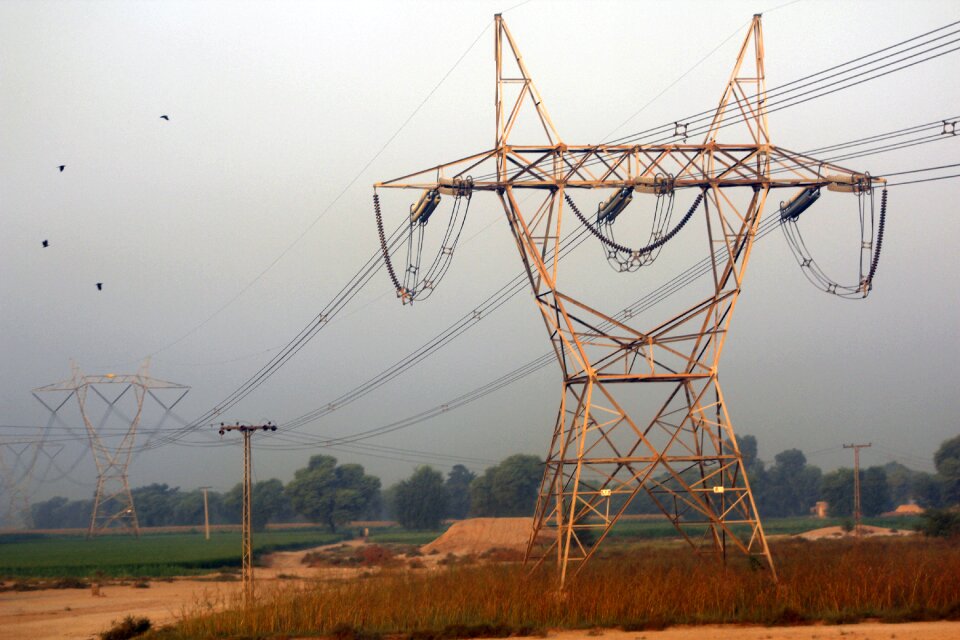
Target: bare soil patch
{"type": "Point", "coordinates": [75, 614]}
{"type": "Point", "coordinates": [943, 630]}
{"type": "Point", "coordinates": [476, 536]}
{"type": "Point", "coordinates": [867, 531]}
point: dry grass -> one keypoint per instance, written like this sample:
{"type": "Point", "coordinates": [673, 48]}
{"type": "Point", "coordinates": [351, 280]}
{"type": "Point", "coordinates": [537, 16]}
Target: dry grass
{"type": "Point", "coordinates": [839, 581]}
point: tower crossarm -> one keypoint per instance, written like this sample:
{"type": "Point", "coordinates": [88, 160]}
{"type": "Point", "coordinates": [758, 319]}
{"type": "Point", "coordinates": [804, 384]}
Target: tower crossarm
{"type": "Point", "coordinates": [710, 165]}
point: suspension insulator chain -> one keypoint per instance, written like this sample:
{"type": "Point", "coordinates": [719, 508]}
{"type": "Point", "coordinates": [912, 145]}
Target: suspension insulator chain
{"type": "Point", "coordinates": [383, 245]}
{"type": "Point", "coordinates": [605, 240]}
{"type": "Point", "coordinates": [876, 252]}
{"type": "Point", "coordinates": [650, 247]}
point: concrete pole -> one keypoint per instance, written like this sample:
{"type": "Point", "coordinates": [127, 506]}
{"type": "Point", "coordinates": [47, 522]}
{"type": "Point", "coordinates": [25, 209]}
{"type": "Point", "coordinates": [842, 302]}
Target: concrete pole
{"type": "Point", "coordinates": [206, 514]}
{"type": "Point", "coordinates": [856, 484]}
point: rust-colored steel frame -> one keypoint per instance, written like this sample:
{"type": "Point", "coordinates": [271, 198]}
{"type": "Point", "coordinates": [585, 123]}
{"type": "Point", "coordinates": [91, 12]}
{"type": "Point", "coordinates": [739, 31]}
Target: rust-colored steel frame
{"type": "Point", "coordinates": [113, 506]}
{"type": "Point", "coordinates": [686, 457]}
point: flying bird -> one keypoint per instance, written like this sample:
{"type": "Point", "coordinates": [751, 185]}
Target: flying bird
{"type": "Point", "coordinates": [46, 243]}
{"type": "Point", "coordinates": [62, 167]}
{"type": "Point", "coordinates": [165, 117]}
{"type": "Point", "coordinates": [99, 286]}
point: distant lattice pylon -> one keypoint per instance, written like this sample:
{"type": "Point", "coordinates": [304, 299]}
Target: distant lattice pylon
{"type": "Point", "coordinates": [113, 506]}
{"type": "Point", "coordinates": [17, 460]}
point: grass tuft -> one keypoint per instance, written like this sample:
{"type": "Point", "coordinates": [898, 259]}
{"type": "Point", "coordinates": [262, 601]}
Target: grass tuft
{"type": "Point", "coordinates": [126, 629]}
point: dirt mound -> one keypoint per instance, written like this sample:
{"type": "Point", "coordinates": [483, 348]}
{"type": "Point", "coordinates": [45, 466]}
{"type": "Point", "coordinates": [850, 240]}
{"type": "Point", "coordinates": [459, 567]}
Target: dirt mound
{"type": "Point", "coordinates": [828, 533]}
{"type": "Point", "coordinates": [477, 535]}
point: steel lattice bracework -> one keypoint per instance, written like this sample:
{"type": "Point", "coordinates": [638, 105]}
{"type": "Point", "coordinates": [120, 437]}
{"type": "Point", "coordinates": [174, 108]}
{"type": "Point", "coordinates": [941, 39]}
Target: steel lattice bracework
{"type": "Point", "coordinates": [15, 477]}
{"type": "Point", "coordinates": [113, 506]}
{"type": "Point", "coordinates": [641, 410]}
{"type": "Point", "coordinates": [20, 460]}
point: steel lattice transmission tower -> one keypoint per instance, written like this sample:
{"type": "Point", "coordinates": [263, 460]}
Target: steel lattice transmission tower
{"type": "Point", "coordinates": [17, 462]}
{"type": "Point", "coordinates": [641, 407]}
{"type": "Point", "coordinates": [113, 506]}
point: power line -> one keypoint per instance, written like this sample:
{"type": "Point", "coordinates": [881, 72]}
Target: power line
{"type": "Point", "coordinates": [669, 129]}
{"type": "Point", "coordinates": [307, 334]}
{"type": "Point", "coordinates": [670, 288]}
{"type": "Point", "coordinates": [333, 202]}
{"type": "Point", "coordinates": [655, 297]}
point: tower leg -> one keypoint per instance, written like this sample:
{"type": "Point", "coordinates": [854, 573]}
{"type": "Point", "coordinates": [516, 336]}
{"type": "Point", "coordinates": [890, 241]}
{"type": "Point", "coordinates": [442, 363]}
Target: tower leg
{"type": "Point", "coordinates": [685, 463]}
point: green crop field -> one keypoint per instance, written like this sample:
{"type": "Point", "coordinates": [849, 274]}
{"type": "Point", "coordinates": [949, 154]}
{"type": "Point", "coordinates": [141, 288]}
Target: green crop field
{"type": "Point", "coordinates": [151, 555]}
{"type": "Point", "coordinates": [661, 528]}
{"type": "Point", "coordinates": [171, 554]}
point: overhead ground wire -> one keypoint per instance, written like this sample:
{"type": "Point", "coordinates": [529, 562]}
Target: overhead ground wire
{"type": "Point", "coordinates": [295, 345]}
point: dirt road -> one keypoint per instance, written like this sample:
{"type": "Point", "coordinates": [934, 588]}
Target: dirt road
{"type": "Point", "coordinates": [76, 614]}
{"type": "Point", "coordinates": [864, 631]}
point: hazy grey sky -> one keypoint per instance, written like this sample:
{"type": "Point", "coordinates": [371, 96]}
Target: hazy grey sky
{"type": "Point", "coordinates": [276, 107]}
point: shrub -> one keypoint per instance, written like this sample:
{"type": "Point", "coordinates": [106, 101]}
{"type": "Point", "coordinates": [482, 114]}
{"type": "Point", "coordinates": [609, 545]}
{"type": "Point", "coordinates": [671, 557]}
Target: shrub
{"type": "Point", "coordinates": [374, 555]}
{"type": "Point", "coordinates": [940, 523]}
{"type": "Point", "coordinates": [347, 632]}
{"type": "Point", "coordinates": [499, 554]}
{"type": "Point", "coordinates": [127, 628]}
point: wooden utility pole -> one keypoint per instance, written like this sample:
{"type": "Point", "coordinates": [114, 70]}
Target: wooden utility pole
{"type": "Point", "coordinates": [856, 483]}
{"type": "Point", "coordinates": [206, 514]}
{"type": "Point", "coordinates": [246, 557]}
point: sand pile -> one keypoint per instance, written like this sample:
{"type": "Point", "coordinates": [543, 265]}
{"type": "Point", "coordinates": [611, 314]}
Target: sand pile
{"type": "Point", "coordinates": [476, 535]}
{"type": "Point", "coordinates": [868, 531]}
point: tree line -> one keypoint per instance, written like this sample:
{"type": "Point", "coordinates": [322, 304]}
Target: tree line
{"type": "Point", "coordinates": [332, 494]}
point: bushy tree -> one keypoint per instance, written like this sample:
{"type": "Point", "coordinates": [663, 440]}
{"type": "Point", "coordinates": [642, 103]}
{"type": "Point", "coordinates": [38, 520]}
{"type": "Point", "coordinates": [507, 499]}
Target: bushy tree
{"type": "Point", "coordinates": [330, 494]}
{"type": "Point", "coordinates": [388, 498]}
{"type": "Point", "coordinates": [748, 451]}
{"type": "Point", "coordinates": [927, 490]}
{"type": "Point", "coordinates": [790, 487]}
{"type": "Point", "coordinates": [900, 479]}
{"type": "Point", "coordinates": [940, 523]}
{"type": "Point", "coordinates": [189, 509]}
{"type": "Point", "coordinates": [507, 489]}
{"type": "Point", "coordinates": [947, 461]}
{"type": "Point", "coordinates": [458, 491]}
{"type": "Point", "coordinates": [874, 492]}
{"type": "Point", "coordinates": [268, 503]}
{"type": "Point", "coordinates": [420, 501]}
{"type": "Point", "coordinates": [157, 505]}
{"type": "Point", "coordinates": [154, 504]}
{"type": "Point", "coordinates": [836, 488]}
{"type": "Point", "coordinates": [48, 514]}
